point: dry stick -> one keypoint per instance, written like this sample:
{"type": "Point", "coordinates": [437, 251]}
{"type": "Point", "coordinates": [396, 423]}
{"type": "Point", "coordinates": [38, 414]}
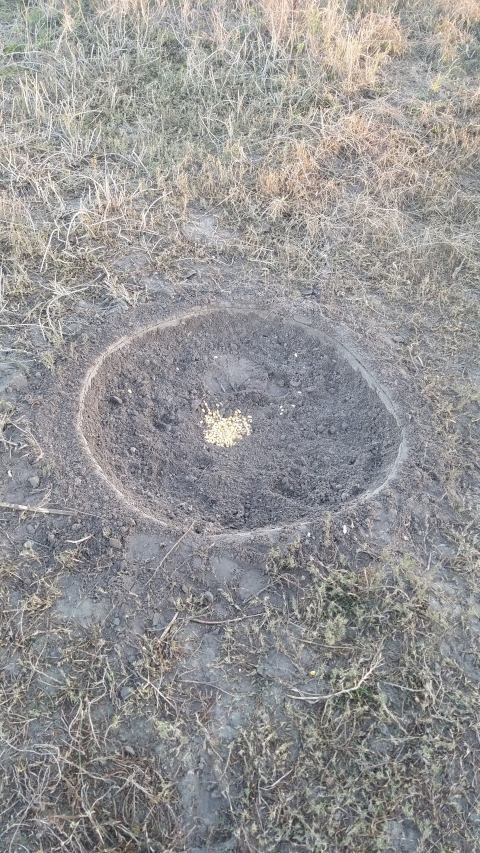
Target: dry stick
{"type": "Point", "coordinates": [402, 687]}
{"type": "Point", "coordinates": [224, 621]}
{"type": "Point", "coordinates": [166, 630]}
{"type": "Point", "coordinates": [208, 684]}
{"type": "Point", "coordinates": [175, 545]}
{"type": "Point", "coordinates": [257, 594]}
{"type": "Point", "coordinates": [157, 691]}
{"type": "Point", "coordinates": [274, 785]}
{"type": "Point", "coordinates": [44, 509]}
{"type": "Point", "coordinates": [308, 697]}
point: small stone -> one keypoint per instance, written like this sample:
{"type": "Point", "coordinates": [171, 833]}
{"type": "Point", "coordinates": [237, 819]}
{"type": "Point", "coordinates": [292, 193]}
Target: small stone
{"type": "Point", "coordinates": [115, 544]}
{"type": "Point", "coordinates": [34, 482]}
{"type": "Point", "coordinates": [129, 749]}
{"type": "Point", "coordinates": [208, 596]}
{"type": "Point", "coordinates": [116, 621]}
{"type": "Point", "coordinates": [51, 538]}
{"type": "Point", "coordinates": [19, 382]}
{"type": "Point", "coordinates": [156, 619]}
{"type": "Point", "coordinates": [30, 529]}
{"type": "Point", "coordinates": [125, 692]}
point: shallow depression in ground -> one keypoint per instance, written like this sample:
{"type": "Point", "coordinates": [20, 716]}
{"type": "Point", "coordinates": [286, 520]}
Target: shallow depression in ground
{"type": "Point", "coordinates": [236, 419]}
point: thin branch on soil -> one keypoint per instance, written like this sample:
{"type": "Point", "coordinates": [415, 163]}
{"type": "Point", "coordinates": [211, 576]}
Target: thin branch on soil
{"type": "Point", "coordinates": [225, 621]}
{"type": "Point", "coordinates": [309, 697]}
{"type": "Point", "coordinates": [45, 510]}
{"type": "Point", "coordinates": [166, 630]}
{"type": "Point", "coordinates": [274, 784]}
{"type": "Point", "coordinates": [402, 687]}
{"type": "Point", "coordinates": [79, 541]}
{"type": "Point", "coordinates": [208, 684]}
{"type": "Point", "coordinates": [257, 594]}
{"type": "Point", "coordinates": [172, 549]}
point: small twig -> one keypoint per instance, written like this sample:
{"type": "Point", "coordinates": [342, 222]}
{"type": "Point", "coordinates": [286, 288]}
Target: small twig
{"type": "Point", "coordinates": [309, 697]}
{"type": "Point", "coordinates": [44, 509]}
{"type": "Point", "coordinates": [157, 691]}
{"type": "Point", "coordinates": [172, 549]}
{"type": "Point", "coordinates": [225, 621]}
{"type": "Point", "coordinates": [401, 687]}
{"type": "Point", "coordinates": [79, 541]}
{"type": "Point", "coordinates": [166, 630]}
{"type": "Point", "coordinates": [394, 717]}
{"type": "Point", "coordinates": [257, 594]}
{"type": "Point", "coordinates": [208, 684]}
{"type": "Point", "coordinates": [274, 784]}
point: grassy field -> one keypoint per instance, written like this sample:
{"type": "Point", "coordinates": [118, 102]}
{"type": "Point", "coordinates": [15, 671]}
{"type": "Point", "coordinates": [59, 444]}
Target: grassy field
{"type": "Point", "coordinates": [320, 152]}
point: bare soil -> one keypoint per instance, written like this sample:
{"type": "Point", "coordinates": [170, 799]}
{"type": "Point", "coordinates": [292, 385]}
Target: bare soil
{"type": "Point", "coordinates": [320, 435]}
{"type": "Point", "coordinates": [208, 664]}
{"type": "Point", "coordinates": [194, 683]}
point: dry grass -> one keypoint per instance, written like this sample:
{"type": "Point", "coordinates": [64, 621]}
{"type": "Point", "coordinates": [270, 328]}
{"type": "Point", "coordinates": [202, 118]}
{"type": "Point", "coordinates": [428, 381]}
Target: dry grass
{"type": "Point", "coordinates": [375, 739]}
{"type": "Point", "coordinates": [339, 143]}
{"type": "Point", "coordinates": [281, 114]}
{"type": "Point", "coordinates": [72, 788]}
{"type": "Point", "coordinates": [381, 749]}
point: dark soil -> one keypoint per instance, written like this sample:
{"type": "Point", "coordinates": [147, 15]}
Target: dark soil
{"type": "Point", "coordinates": [320, 435]}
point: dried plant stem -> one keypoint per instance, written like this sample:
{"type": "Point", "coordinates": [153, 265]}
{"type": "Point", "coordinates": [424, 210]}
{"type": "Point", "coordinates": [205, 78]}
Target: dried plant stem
{"type": "Point", "coordinates": [43, 509]}
{"type": "Point", "coordinates": [312, 698]}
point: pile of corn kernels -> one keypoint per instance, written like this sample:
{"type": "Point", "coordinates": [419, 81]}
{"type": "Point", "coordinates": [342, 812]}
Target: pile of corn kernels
{"type": "Point", "coordinates": [225, 430]}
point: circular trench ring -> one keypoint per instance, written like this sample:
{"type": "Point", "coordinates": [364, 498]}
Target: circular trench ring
{"type": "Point", "coordinates": [298, 425]}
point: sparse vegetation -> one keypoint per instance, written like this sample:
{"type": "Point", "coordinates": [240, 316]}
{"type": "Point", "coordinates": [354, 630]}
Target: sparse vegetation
{"type": "Point", "coordinates": [335, 146]}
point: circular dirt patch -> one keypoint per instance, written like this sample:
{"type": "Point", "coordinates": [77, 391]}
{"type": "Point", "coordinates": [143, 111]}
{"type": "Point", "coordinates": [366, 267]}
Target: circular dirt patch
{"type": "Point", "coordinates": [236, 418]}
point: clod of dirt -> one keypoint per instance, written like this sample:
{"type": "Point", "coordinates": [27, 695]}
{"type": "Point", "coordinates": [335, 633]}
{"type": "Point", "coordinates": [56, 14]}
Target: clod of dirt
{"type": "Point", "coordinates": [236, 418]}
